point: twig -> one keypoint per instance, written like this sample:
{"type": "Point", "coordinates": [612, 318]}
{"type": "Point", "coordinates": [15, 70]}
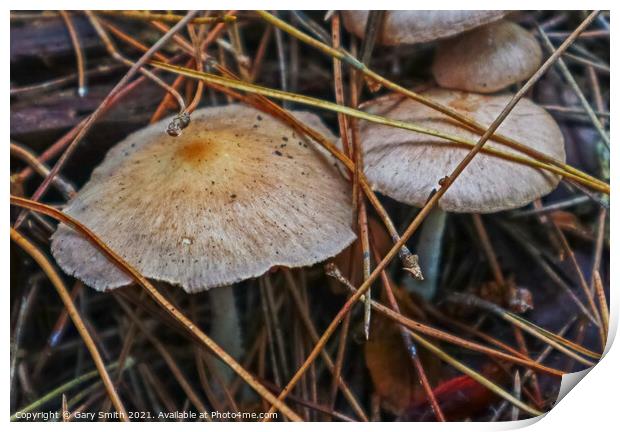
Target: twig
{"type": "Point", "coordinates": [270, 335]}
{"type": "Point", "coordinates": [59, 82]}
{"type": "Point", "coordinates": [573, 110]}
{"type": "Point", "coordinates": [598, 248]}
{"type": "Point", "coordinates": [591, 34]}
{"type": "Point", "coordinates": [181, 120]}
{"type": "Point", "coordinates": [275, 320]}
{"type": "Point", "coordinates": [517, 395]}
{"type": "Point", "coordinates": [198, 62]}
{"type": "Point", "coordinates": [595, 65]}
{"type": "Point", "coordinates": [362, 217]}
{"type": "Point", "coordinates": [339, 88]}
{"type": "Point", "coordinates": [67, 138]}
{"type": "Point", "coordinates": [580, 276]}
{"type": "Point", "coordinates": [550, 208]}
{"type": "Point", "coordinates": [79, 55]}
{"type": "Point", "coordinates": [30, 158]}
{"type": "Point", "coordinates": [410, 347]}
{"type": "Point", "coordinates": [260, 54]}
{"type": "Point", "coordinates": [131, 41]}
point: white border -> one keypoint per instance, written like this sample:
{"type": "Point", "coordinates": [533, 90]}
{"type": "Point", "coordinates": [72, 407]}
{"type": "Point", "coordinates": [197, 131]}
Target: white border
{"type": "Point", "coordinates": [593, 405]}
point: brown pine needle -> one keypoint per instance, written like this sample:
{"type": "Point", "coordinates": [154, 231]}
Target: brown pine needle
{"type": "Point", "coordinates": [602, 303]}
{"type": "Point", "coordinates": [79, 54]}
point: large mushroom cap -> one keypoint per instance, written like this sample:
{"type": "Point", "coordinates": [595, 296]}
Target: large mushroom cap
{"type": "Point", "coordinates": [236, 194]}
{"type": "Point", "coordinates": [407, 165]}
{"type": "Point", "coordinates": [487, 59]}
{"type": "Point", "coordinates": [410, 27]}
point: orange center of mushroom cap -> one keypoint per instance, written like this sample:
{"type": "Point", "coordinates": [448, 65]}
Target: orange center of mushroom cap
{"type": "Point", "coordinates": [214, 151]}
{"type": "Point", "coordinates": [195, 150]}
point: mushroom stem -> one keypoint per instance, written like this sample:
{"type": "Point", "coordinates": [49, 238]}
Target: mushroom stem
{"type": "Point", "coordinates": [225, 329]}
{"type": "Point", "coordinates": [429, 250]}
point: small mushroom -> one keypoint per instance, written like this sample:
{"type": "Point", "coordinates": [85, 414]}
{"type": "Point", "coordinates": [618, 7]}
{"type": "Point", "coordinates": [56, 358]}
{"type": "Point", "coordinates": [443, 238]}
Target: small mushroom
{"type": "Point", "coordinates": [411, 27]}
{"type": "Point", "coordinates": [408, 166]}
{"type": "Point", "coordinates": [487, 58]}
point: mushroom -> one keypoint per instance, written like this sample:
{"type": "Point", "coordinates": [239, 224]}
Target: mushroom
{"type": "Point", "coordinates": [238, 193]}
{"type": "Point", "coordinates": [411, 27]}
{"type": "Point", "coordinates": [487, 58]}
{"type": "Point", "coordinates": [408, 166]}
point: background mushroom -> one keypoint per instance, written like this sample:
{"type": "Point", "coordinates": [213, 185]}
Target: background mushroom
{"type": "Point", "coordinates": [236, 194]}
{"type": "Point", "coordinates": [487, 58]}
{"type": "Point", "coordinates": [410, 27]}
{"type": "Point", "coordinates": [407, 166]}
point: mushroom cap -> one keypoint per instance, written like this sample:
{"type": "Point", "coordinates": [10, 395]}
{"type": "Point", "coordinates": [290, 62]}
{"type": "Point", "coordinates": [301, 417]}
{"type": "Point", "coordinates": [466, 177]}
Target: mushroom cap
{"type": "Point", "coordinates": [417, 26]}
{"type": "Point", "coordinates": [237, 193]}
{"type": "Point", "coordinates": [407, 165]}
{"type": "Point", "coordinates": [487, 58]}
